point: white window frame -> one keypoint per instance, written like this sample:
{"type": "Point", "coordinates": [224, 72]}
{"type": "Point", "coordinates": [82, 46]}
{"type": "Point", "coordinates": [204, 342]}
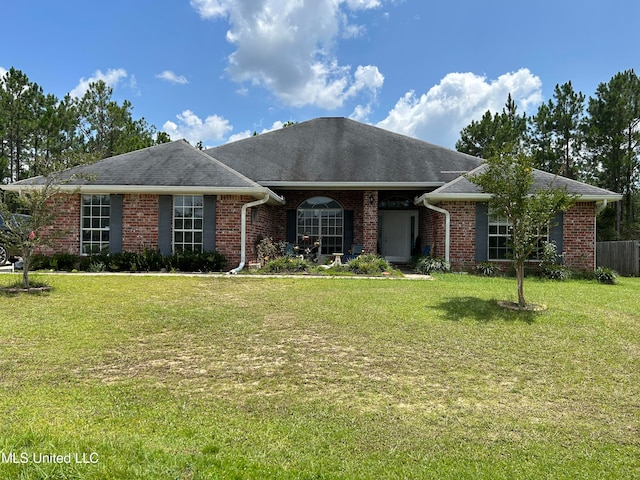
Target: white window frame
{"type": "Point", "coordinates": [499, 228]}
{"type": "Point", "coordinates": [502, 229]}
{"type": "Point", "coordinates": [321, 219]}
{"type": "Point", "coordinates": [188, 223]}
{"type": "Point", "coordinates": [95, 219]}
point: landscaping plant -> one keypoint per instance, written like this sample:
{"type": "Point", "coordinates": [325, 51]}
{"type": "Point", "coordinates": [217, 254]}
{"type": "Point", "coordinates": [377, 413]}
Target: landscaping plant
{"type": "Point", "coordinates": [428, 264]}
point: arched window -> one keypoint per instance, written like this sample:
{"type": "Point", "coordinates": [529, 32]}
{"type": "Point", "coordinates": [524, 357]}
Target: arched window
{"type": "Point", "coordinates": [321, 219]}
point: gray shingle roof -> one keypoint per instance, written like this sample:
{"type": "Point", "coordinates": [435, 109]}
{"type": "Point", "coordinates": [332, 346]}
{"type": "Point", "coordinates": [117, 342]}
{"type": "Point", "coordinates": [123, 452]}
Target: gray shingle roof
{"type": "Point", "coordinates": [341, 151]}
{"type": "Point", "coordinates": [463, 188]}
{"type": "Point", "coordinates": [320, 153]}
{"type": "Point", "coordinates": [168, 164]}
{"type": "Point", "coordinates": [175, 166]}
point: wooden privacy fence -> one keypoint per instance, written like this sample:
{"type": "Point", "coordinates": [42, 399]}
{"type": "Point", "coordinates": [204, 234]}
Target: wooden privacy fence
{"type": "Point", "coordinates": [623, 257]}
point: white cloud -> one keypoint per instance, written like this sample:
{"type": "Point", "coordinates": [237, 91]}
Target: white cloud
{"type": "Point", "coordinates": [3, 72]}
{"type": "Point", "coordinates": [440, 114]}
{"type": "Point", "coordinates": [192, 128]}
{"type": "Point", "coordinates": [172, 77]}
{"type": "Point", "coordinates": [277, 125]}
{"type": "Point", "coordinates": [111, 78]}
{"type": "Point", "coordinates": [288, 47]}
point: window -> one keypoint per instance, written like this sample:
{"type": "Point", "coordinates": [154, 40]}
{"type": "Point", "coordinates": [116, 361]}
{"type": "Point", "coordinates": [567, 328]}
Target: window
{"type": "Point", "coordinates": [187, 223]}
{"type": "Point", "coordinates": [321, 219]}
{"type": "Point", "coordinates": [500, 232]}
{"type": "Point", "coordinates": [499, 235]}
{"type": "Point", "coordinates": [96, 211]}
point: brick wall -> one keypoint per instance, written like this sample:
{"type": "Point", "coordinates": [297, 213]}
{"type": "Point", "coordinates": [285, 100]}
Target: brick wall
{"type": "Point", "coordinates": [139, 222]}
{"type": "Point", "coordinates": [462, 234]}
{"type": "Point", "coordinates": [140, 226]}
{"type": "Point", "coordinates": [579, 236]}
{"type": "Point", "coordinates": [262, 222]}
{"type": "Point", "coordinates": [228, 235]}
{"type": "Point", "coordinates": [369, 222]}
{"type": "Point", "coordinates": [64, 235]}
{"type": "Point", "coordinates": [436, 230]}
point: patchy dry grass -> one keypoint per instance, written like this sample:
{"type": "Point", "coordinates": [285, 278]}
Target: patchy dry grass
{"type": "Point", "coordinates": [209, 377]}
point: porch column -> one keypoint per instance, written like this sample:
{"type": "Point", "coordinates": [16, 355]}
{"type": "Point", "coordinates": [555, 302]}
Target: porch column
{"type": "Point", "coordinates": [370, 221]}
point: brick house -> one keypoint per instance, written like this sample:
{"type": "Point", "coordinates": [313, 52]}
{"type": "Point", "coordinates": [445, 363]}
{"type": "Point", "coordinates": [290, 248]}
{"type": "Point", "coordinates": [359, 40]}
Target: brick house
{"type": "Point", "coordinates": [329, 179]}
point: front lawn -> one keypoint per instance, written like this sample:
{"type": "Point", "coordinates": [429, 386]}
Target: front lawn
{"type": "Point", "coordinates": [194, 377]}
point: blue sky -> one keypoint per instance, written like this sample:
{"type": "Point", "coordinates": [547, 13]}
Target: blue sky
{"type": "Point", "coordinates": [218, 70]}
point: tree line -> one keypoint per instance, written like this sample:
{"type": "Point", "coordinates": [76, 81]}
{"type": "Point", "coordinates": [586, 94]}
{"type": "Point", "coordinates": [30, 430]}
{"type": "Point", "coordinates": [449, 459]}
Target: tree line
{"type": "Point", "coordinates": [40, 133]}
{"type": "Point", "coordinates": [594, 140]}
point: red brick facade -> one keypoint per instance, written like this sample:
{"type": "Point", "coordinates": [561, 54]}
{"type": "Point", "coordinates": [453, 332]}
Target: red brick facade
{"type": "Point", "coordinates": [140, 226]}
{"type": "Point", "coordinates": [67, 226]}
{"type": "Point", "coordinates": [139, 222]}
{"type": "Point", "coordinates": [462, 249]}
{"type": "Point", "coordinates": [579, 236]}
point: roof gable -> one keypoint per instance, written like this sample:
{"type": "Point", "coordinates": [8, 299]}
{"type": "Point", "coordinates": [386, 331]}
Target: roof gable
{"type": "Point", "coordinates": [341, 151]}
{"type": "Point", "coordinates": [463, 188]}
{"type": "Point", "coordinates": [169, 164]}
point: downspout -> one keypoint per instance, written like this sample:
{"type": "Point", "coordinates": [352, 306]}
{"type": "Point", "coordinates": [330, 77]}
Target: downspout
{"type": "Point", "coordinates": [447, 226]}
{"type": "Point", "coordinates": [243, 232]}
{"type": "Point", "coordinates": [602, 206]}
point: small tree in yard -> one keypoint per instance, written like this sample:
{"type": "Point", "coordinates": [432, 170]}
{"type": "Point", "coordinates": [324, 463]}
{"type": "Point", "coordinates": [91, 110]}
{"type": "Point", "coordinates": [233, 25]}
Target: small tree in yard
{"type": "Point", "coordinates": [24, 234]}
{"type": "Point", "coordinates": [509, 179]}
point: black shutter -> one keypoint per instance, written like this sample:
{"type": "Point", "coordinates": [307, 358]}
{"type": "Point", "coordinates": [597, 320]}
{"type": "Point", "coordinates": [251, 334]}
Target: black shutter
{"type": "Point", "coordinates": [165, 207]}
{"type": "Point", "coordinates": [115, 223]}
{"type": "Point", "coordinates": [292, 219]}
{"type": "Point", "coordinates": [209, 224]}
{"type": "Point", "coordinates": [348, 231]}
{"type": "Point", "coordinates": [557, 231]}
{"type": "Point", "coordinates": [482, 232]}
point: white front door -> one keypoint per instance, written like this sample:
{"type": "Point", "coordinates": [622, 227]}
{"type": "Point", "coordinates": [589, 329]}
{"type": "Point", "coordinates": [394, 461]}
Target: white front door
{"type": "Point", "coordinates": [397, 230]}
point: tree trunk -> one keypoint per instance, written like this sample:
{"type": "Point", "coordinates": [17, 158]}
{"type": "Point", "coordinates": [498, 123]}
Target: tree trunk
{"type": "Point", "coordinates": [26, 265]}
{"type": "Point", "coordinates": [25, 273]}
{"type": "Point", "coordinates": [520, 278]}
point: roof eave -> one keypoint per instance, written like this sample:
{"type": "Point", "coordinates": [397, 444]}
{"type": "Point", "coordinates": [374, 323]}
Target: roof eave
{"type": "Point", "coordinates": [257, 192]}
{"type": "Point", "coordinates": [482, 197]}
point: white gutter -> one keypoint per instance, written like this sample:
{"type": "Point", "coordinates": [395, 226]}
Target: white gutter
{"type": "Point", "coordinates": [243, 232]}
{"type": "Point", "coordinates": [150, 189]}
{"type": "Point", "coordinates": [447, 226]}
{"type": "Point", "coordinates": [484, 197]}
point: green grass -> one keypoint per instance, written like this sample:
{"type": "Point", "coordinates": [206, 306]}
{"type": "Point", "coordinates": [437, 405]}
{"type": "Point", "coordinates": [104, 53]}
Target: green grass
{"type": "Point", "coordinates": [172, 377]}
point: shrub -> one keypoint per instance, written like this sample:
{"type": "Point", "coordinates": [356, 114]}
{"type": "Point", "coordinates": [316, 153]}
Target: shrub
{"type": "Point", "coordinates": [96, 266]}
{"type": "Point", "coordinates": [426, 265]}
{"type": "Point", "coordinates": [487, 269]}
{"type": "Point", "coordinates": [606, 275]}
{"type": "Point", "coordinates": [269, 249]}
{"type": "Point", "coordinates": [286, 265]}
{"type": "Point", "coordinates": [549, 263]}
{"type": "Point", "coordinates": [187, 261]}
{"type": "Point", "coordinates": [147, 261]}
{"type": "Point", "coordinates": [368, 264]}
{"type": "Point", "coordinates": [556, 272]}
{"type": "Point", "coordinates": [40, 262]}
